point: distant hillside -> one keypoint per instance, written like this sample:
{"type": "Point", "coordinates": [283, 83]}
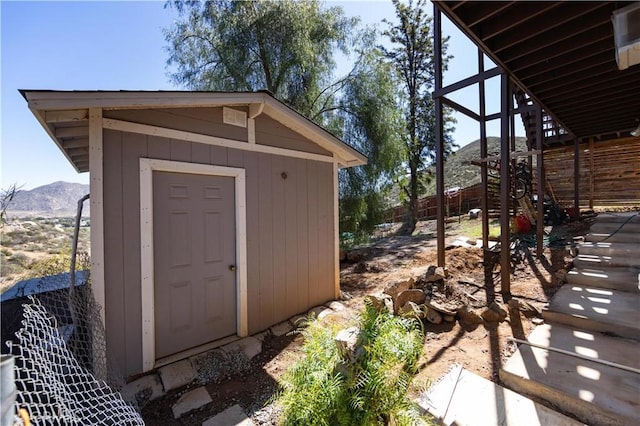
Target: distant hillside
{"type": "Point", "coordinates": [56, 199]}
{"type": "Point", "coordinates": [458, 171]}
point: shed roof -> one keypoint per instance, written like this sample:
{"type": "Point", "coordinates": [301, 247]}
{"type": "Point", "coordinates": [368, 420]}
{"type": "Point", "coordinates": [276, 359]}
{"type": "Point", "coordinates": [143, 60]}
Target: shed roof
{"type": "Point", "coordinates": [563, 55]}
{"type": "Point", "coordinates": [65, 116]}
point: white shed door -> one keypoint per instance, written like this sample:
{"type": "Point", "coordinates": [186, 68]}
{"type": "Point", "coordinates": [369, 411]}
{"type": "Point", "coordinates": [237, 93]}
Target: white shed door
{"type": "Point", "coordinates": [194, 258]}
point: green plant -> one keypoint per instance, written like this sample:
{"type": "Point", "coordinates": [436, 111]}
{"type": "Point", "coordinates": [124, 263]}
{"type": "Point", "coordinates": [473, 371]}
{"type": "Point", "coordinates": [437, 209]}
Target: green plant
{"type": "Point", "coordinates": [56, 264]}
{"type": "Point", "coordinates": [324, 389]}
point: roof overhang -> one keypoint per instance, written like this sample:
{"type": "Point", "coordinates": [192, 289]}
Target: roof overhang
{"type": "Point", "coordinates": [65, 116]}
{"type": "Point", "coordinates": [563, 54]}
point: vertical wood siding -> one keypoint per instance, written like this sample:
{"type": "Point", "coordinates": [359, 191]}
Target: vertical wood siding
{"type": "Point", "coordinates": [609, 173]}
{"type": "Point", "coordinates": [289, 233]}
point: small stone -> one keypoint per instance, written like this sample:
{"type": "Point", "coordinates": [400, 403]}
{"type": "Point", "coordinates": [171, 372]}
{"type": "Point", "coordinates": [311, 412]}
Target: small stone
{"type": "Point", "coordinates": [412, 295]}
{"type": "Point", "coordinates": [411, 309]}
{"type": "Point", "coordinates": [441, 308]}
{"type": "Point", "coordinates": [231, 416]}
{"type": "Point", "coordinates": [142, 390]}
{"type": "Point", "coordinates": [347, 341]}
{"type": "Point", "coordinates": [281, 329]}
{"type": "Point", "coordinates": [325, 313]}
{"type": "Point", "coordinates": [336, 306]}
{"type": "Point", "coordinates": [449, 318]}
{"type": "Point", "coordinates": [398, 287]}
{"type": "Point", "coordinates": [191, 400]}
{"type": "Point", "coordinates": [315, 311]}
{"type": "Point", "coordinates": [494, 313]}
{"type": "Point", "coordinates": [433, 316]}
{"type": "Point", "coordinates": [467, 316]}
{"type": "Point", "coordinates": [376, 301]}
{"type": "Point", "coordinates": [249, 346]}
{"type": "Point", "coordinates": [176, 375]}
{"type": "Point", "coordinates": [537, 321]}
{"type": "Point", "coordinates": [435, 274]}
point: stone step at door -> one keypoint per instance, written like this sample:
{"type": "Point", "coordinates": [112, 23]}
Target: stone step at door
{"type": "Point", "coordinates": [594, 261]}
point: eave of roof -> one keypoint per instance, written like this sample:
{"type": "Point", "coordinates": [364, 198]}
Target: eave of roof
{"type": "Point", "coordinates": [43, 102]}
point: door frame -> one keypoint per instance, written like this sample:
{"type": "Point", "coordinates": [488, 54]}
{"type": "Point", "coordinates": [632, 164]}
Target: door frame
{"type": "Point", "coordinates": [147, 272]}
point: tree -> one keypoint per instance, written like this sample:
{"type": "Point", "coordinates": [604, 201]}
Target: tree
{"type": "Point", "coordinates": [287, 47]}
{"type": "Point", "coordinates": [6, 197]}
{"type": "Point", "coordinates": [372, 123]}
{"type": "Point", "coordinates": [412, 56]}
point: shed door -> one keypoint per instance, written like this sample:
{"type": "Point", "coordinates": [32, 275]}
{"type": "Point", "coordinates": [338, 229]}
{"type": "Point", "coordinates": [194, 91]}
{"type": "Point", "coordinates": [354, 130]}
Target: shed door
{"type": "Point", "coordinates": [194, 254]}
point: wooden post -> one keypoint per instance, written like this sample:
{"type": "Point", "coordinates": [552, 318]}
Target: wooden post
{"type": "Point", "coordinates": [541, 184]}
{"type": "Point", "coordinates": [591, 175]}
{"type": "Point", "coordinates": [484, 202]}
{"type": "Point", "coordinates": [505, 249]}
{"type": "Point", "coordinates": [576, 176]}
{"type": "Point", "coordinates": [437, 33]}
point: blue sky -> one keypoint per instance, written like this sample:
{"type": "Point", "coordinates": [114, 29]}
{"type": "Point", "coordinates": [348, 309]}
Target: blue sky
{"type": "Point", "coordinates": [112, 46]}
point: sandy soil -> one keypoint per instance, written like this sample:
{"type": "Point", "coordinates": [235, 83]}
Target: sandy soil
{"type": "Point", "coordinates": [481, 348]}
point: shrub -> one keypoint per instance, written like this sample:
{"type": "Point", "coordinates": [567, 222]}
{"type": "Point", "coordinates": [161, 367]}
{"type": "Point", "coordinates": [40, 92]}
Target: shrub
{"type": "Point", "coordinates": [323, 389]}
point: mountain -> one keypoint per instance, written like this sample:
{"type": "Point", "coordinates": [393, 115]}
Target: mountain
{"type": "Point", "coordinates": [55, 199]}
{"type": "Point", "coordinates": [457, 168]}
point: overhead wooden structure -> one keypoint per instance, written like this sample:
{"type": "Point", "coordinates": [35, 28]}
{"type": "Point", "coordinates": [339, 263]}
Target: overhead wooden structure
{"type": "Point", "coordinates": [557, 60]}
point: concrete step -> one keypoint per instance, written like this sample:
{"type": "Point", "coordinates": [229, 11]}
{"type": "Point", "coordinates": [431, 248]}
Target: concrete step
{"type": "Point", "coordinates": [620, 237]}
{"type": "Point", "coordinates": [591, 261]}
{"type": "Point", "coordinates": [593, 392]}
{"type": "Point", "coordinates": [616, 278]}
{"type": "Point", "coordinates": [464, 398]}
{"type": "Point", "coordinates": [629, 217]}
{"type": "Point", "coordinates": [610, 228]}
{"type": "Point", "coordinates": [612, 249]}
{"type": "Point", "coordinates": [598, 309]}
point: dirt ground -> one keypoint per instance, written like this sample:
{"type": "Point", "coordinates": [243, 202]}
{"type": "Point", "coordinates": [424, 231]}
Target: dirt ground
{"type": "Point", "coordinates": [480, 348]}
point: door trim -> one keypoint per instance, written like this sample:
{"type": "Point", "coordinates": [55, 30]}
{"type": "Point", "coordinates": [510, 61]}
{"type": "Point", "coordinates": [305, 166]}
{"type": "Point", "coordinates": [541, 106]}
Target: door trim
{"type": "Point", "coordinates": [147, 167]}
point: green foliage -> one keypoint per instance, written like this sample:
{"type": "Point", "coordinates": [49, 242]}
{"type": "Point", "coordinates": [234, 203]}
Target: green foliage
{"type": "Point", "coordinates": [413, 58]}
{"type": "Point", "coordinates": [323, 389]}
{"type": "Point", "coordinates": [57, 264]}
{"type": "Point", "coordinates": [283, 46]}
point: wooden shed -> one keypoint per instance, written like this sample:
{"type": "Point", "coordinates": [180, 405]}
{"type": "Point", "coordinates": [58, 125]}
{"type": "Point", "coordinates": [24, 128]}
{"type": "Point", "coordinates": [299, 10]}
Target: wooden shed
{"type": "Point", "coordinates": [213, 215]}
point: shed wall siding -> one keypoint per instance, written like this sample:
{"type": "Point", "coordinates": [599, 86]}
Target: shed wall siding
{"type": "Point", "coordinates": [290, 257]}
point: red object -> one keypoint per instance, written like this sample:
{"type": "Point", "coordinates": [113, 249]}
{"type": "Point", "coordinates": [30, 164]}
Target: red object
{"type": "Point", "coordinates": [522, 223]}
{"type": "Point", "coordinates": [573, 214]}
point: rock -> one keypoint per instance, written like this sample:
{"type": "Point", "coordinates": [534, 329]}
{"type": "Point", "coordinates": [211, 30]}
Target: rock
{"type": "Point", "coordinates": [376, 301]}
{"type": "Point", "coordinates": [191, 400]}
{"type": "Point", "coordinates": [231, 416]}
{"type": "Point", "coordinates": [177, 374]}
{"type": "Point", "coordinates": [347, 343]}
{"type": "Point", "coordinates": [412, 295]}
{"type": "Point", "coordinates": [399, 286]}
{"type": "Point", "coordinates": [441, 308]}
{"type": "Point", "coordinates": [494, 313]}
{"type": "Point", "coordinates": [315, 311]}
{"type": "Point", "coordinates": [475, 213]}
{"type": "Point", "coordinates": [449, 318]}
{"type": "Point", "coordinates": [436, 274]}
{"type": "Point", "coordinates": [142, 390]}
{"type": "Point", "coordinates": [325, 313]}
{"type": "Point", "coordinates": [336, 306]}
{"type": "Point", "coordinates": [537, 321]}
{"type": "Point", "coordinates": [411, 309]}
{"type": "Point", "coordinates": [249, 346]}
{"type": "Point", "coordinates": [433, 316]}
{"type": "Point", "coordinates": [467, 316]}
{"type": "Point", "coordinates": [281, 329]}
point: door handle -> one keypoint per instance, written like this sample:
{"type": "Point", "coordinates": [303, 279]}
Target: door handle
{"type": "Point", "coordinates": [232, 267]}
